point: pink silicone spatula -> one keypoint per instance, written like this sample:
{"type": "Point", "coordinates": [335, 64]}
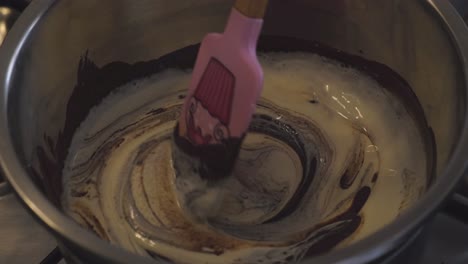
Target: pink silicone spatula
{"type": "Point", "coordinates": [227, 81]}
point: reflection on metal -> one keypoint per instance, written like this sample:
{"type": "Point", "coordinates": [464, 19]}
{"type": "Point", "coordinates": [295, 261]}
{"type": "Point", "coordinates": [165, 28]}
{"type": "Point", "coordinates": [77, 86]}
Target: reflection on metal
{"type": "Point", "coordinates": [7, 17]}
{"type": "Point", "coordinates": [5, 11]}
{"type": "Point", "coordinates": [22, 239]}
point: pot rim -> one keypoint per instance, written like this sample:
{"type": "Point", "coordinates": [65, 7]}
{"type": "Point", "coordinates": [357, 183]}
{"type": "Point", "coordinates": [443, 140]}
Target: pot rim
{"type": "Point", "coordinates": [368, 249]}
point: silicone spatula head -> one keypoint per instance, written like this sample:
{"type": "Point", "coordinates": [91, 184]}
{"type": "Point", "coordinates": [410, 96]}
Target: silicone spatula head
{"type": "Point", "coordinates": [226, 83]}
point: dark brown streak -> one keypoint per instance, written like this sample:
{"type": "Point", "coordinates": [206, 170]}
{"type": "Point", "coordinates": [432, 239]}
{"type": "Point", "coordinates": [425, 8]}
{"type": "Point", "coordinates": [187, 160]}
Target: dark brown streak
{"type": "Point", "coordinates": [351, 220]}
{"type": "Point", "coordinates": [354, 167]}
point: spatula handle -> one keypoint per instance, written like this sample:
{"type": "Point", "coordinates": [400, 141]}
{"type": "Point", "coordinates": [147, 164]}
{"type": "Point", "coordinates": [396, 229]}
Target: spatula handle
{"type": "Point", "coordinates": [252, 8]}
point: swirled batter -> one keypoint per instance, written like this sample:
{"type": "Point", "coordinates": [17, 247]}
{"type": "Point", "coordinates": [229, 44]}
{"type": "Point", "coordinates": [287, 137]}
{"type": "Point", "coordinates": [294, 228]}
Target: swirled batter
{"type": "Point", "coordinates": [331, 157]}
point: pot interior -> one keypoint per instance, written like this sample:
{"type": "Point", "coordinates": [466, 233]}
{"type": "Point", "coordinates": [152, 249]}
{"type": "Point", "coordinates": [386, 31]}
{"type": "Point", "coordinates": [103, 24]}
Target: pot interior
{"type": "Point", "coordinates": [47, 103]}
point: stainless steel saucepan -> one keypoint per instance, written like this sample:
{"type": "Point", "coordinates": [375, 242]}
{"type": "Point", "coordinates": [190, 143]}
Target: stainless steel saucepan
{"type": "Point", "coordinates": [425, 41]}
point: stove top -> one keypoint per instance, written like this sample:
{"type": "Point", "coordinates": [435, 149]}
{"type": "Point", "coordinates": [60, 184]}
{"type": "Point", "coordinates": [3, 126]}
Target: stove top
{"type": "Point", "coordinates": [23, 240]}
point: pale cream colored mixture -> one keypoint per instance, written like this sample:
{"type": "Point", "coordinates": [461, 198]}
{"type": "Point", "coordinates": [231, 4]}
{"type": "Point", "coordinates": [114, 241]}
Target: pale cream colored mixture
{"type": "Point", "coordinates": [316, 122]}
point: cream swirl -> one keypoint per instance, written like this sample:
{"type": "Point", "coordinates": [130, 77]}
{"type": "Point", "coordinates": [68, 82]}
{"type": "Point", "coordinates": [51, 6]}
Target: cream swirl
{"type": "Point", "coordinates": [326, 148]}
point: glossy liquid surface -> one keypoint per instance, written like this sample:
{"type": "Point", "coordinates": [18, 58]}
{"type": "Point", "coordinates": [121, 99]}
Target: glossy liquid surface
{"type": "Point", "coordinates": [331, 157]}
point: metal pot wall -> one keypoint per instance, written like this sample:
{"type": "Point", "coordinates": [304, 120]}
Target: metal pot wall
{"type": "Point", "coordinates": [425, 41]}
